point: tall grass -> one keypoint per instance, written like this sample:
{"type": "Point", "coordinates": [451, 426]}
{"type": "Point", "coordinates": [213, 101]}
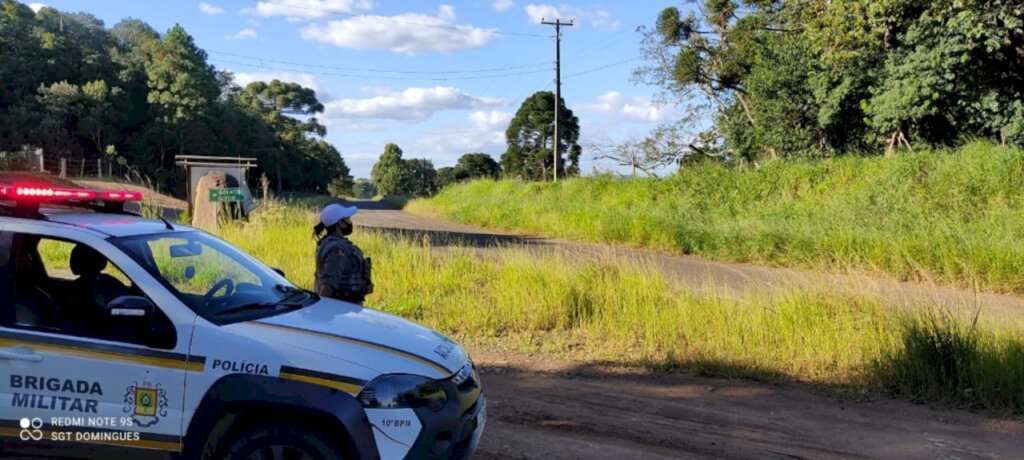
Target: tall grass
{"type": "Point", "coordinates": [949, 216]}
{"type": "Point", "coordinates": [624, 312]}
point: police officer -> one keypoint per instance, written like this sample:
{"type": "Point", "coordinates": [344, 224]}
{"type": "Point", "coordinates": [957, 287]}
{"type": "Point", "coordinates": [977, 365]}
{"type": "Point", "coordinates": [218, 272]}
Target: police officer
{"type": "Point", "coordinates": [342, 272]}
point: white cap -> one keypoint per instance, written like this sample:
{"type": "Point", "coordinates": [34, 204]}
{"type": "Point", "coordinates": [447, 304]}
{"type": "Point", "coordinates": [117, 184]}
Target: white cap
{"type": "Point", "coordinates": [333, 213]}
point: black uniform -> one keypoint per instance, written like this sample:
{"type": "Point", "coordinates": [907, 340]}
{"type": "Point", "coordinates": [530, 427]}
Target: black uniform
{"type": "Point", "coordinates": [342, 269]}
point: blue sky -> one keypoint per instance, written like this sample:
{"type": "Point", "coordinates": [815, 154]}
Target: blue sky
{"type": "Point", "coordinates": [440, 79]}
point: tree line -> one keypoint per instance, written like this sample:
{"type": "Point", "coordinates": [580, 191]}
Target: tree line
{"type": "Point", "coordinates": [128, 94]}
{"type": "Point", "coordinates": [824, 77]}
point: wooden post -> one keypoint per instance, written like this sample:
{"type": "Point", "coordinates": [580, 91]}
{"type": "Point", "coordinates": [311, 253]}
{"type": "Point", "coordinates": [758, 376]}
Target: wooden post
{"type": "Point", "coordinates": [63, 168]}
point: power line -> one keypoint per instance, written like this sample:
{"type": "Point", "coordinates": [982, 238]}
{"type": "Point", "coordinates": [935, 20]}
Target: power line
{"type": "Point", "coordinates": [371, 70]}
{"type": "Point", "coordinates": [375, 77]}
{"type": "Point", "coordinates": [397, 21]}
{"type": "Point", "coordinates": [595, 69]}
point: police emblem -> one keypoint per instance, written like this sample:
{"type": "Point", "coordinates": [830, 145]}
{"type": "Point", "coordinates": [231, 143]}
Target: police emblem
{"type": "Point", "coordinates": [145, 401]}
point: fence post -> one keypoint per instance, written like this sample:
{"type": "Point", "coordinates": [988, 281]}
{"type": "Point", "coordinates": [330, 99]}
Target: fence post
{"type": "Point", "coordinates": [81, 172]}
{"type": "Point", "coordinates": [39, 154]}
{"type": "Point", "coordinates": [99, 168]}
{"type": "Point", "coordinates": [63, 168]}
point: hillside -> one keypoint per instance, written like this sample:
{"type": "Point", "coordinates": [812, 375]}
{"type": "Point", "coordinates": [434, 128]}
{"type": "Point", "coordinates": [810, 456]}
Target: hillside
{"type": "Point", "coordinates": [949, 216]}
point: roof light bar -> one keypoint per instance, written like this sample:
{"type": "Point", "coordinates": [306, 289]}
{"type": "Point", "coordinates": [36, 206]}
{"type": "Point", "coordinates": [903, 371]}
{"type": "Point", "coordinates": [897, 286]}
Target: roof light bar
{"type": "Point", "coordinates": [51, 194]}
{"type": "Point", "coordinates": [121, 196]}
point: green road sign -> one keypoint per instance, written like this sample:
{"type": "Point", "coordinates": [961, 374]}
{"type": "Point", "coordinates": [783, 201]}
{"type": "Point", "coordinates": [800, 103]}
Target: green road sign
{"type": "Point", "coordinates": [220, 195]}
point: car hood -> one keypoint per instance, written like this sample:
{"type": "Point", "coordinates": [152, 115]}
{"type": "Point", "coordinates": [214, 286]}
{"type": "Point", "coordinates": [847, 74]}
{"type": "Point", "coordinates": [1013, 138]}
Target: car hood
{"type": "Point", "coordinates": [363, 336]}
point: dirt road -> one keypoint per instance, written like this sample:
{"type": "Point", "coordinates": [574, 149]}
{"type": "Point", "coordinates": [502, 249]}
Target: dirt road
{"type": "Point", "coordinates": [691, 272]}
{"type": "Point", "coordinates": [544, 408]}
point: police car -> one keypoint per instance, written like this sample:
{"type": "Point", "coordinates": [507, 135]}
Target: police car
{"type": "Point", "coordinates": [125, 335]}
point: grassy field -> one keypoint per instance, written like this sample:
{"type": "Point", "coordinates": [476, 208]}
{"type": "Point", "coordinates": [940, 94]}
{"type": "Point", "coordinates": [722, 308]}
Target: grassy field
{"type": "Point", "coordinates": [621, 312]}
{"type": "Point", "coordinates": [951, 217]}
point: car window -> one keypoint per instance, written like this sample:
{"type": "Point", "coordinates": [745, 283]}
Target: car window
{"type": "Point", "coordinates": [198, 269]}
{"type": "Point", "coordinates": [213, 278]}
{"type": "Point", "coordinates": [55, 256]}
{"type": "Point", "coordinates": [68, 287]}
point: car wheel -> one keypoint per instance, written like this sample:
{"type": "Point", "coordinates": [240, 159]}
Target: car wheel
{"type": "Point", "coordinates": [282, 441]}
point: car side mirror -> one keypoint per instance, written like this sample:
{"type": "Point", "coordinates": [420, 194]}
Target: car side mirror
{"type": "Point", "coordinates": [130, 306]}
{"type": "Point", "coordinates": [278, 271]}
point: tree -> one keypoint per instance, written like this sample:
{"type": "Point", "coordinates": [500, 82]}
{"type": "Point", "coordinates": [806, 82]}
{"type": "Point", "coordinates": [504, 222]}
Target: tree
{"type": "Point", "coordinates": [446, 176]}
{"type": "Point", "coordinates": [530, 138]}
{"type": "Point", "coordinates": [296, 161]}
{"type": "Point", "coordinates": [181, 85]}
{"type": "Point", "coordinates": [391, 174]}
{"type": "Point", "coordinates": [61, 106]}
{"type": "Point", "coordinates": [423, 177]}
{"type": "Point", "coordinates": [363, 189]}
{"type": "Point", "coordinates": [100, 114]}
{"type": "Point", "coordinates": [477, 166]}
{"type": "Point", "coordinates": [823, 77]}
{"type": "Point", "coordinates": [661, 148]}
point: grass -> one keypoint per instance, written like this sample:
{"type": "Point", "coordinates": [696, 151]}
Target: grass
{"type": "Point", "coordinates": [950, 216]}
{"type": "Point", "coordinates": [624, 312]}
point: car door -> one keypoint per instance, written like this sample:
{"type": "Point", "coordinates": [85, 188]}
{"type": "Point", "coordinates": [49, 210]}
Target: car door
{"type": "Point", "coordinates": [65, 386]}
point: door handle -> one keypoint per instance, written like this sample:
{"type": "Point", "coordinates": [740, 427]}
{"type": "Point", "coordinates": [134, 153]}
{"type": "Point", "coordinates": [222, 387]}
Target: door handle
{"type": "Point", "coordinates": [32, 357]}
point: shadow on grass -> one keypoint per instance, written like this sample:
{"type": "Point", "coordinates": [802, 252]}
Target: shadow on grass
{"type": "Point", "coordinates": [388, 203]}
{"type": "Point", "coordinates": [439, 238]}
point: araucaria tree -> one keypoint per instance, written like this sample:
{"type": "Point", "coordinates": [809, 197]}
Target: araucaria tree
{"type": "Point", "coordinates": [530, 138]}
{"type": "Point", "coordinates": [182, 86]}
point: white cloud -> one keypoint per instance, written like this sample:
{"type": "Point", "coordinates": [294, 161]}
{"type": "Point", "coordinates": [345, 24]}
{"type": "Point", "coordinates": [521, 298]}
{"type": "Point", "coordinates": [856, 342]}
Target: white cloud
{"type": "Point", "coordinates": [412, 104]}
{"type": "Point", "coordinates": [36, 6]}
{"type": "Point", "coordinates": [342, 126]}
{"type": "Point", "coordinates": [502, 5]}
{"type": "Point", "coordinates": [304, 79]}
{"type": "Point", "coordinates": [244, 34]}
{"type": "Point", "coordinates": [538, 13]}
{"type": "Point", "coordinates": [448, 142]}
{"type": "Point", "coordinates": [597, 17]}
{"type": "Point", "coordinates": [297, 10]}
{"type": "Point", "coordinates": [409, 33]}
{"type": "Point", "coordinates": [210, 9]}
{"type": "Point", "coordinates": [630, 108]}
{"type": "Point", "coordinates": [492, 120]}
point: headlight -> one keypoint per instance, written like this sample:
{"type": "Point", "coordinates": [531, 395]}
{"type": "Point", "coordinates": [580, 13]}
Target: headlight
{"type": "Point", "coordinates": [402, 390]}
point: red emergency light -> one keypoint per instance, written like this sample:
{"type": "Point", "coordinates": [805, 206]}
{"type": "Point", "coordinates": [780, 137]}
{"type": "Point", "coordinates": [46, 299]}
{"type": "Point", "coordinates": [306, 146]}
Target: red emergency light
{"type": "Point", "coordinates": [43, 194]}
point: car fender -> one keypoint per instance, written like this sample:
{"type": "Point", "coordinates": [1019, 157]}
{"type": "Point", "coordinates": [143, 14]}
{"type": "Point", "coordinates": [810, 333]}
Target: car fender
{"type": "Point", "coordinates": [270, 394]}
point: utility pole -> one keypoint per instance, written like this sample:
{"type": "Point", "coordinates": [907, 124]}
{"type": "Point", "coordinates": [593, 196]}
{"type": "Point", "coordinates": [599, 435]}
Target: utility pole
{"type": "Point", "coordinates": [558, 84]}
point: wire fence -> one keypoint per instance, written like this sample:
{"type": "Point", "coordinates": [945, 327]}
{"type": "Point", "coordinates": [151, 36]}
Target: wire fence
{"type": "Point", "coordinates": [24, 158]}
{"type": "Point", "coordinates": [29, 159]}
{"type": "Point", "coordinates": [84, 167]}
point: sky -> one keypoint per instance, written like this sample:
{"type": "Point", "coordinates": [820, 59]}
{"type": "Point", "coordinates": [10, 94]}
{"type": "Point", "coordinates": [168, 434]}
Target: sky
{"type": "Point", "coordinates": [440, 79]}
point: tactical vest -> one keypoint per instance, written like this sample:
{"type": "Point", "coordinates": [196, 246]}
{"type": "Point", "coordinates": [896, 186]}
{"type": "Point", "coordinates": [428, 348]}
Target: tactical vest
{"type": "Point", "coordinates": [357, 282]}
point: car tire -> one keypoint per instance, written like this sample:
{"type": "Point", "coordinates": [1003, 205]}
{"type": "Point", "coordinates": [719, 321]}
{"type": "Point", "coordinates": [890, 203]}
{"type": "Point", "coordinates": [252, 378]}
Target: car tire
{"type": "Point", "coordinates": [282, 441]}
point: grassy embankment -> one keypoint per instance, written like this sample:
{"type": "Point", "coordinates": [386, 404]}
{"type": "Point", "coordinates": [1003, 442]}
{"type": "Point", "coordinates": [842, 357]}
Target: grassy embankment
{"type": "Point", "coordinates": [621, 312]}
{"type": "Point", "coordinates": [950, 217]}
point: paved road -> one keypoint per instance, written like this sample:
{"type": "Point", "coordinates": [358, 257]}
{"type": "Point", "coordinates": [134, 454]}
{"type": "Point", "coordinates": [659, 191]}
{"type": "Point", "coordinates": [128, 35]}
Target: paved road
{"type": "Point", "coordinates": [545, 408]}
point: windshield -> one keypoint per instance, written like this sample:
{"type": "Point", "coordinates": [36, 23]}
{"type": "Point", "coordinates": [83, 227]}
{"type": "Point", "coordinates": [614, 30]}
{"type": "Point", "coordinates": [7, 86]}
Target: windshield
{"type": "Point", "coordinates": [216, 280]}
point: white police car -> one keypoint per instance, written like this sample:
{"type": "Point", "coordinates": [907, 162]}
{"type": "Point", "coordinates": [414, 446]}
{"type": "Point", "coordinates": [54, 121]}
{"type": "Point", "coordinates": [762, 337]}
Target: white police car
{"type": "Point", "coordinates": [124, 335]}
